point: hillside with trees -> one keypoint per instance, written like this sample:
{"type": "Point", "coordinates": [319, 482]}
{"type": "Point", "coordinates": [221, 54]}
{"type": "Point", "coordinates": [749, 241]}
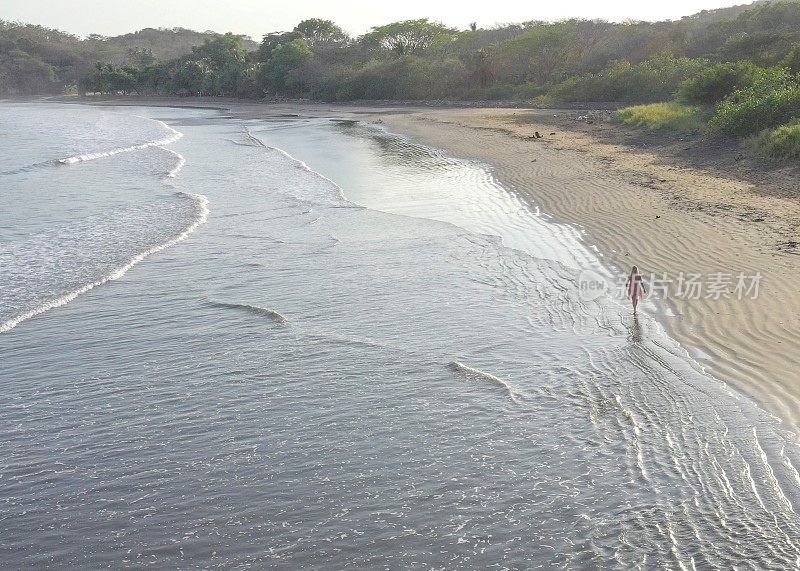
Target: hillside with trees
{"type": "Point", "coordinates": [732, 71]}
{"type": "Point", "coordinates": [35, 60]}
{"type": "Point", "coordinates": [572, 60]}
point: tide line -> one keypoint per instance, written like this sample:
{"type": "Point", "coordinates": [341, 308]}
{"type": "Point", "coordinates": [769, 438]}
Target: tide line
{"type": "Point", "coordinates": [174, 136]}
{"type": "Point", "coordinates": [201, 218]}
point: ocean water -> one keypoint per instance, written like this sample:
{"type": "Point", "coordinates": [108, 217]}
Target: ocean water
{"type": "Point", "coordinates": [304, 343]}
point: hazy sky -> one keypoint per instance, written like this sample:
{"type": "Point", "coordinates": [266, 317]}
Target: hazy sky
{"type": "Point", "coordinates": [256, 17]}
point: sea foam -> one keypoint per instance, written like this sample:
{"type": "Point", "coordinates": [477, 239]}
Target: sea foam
{"type": "Point", "coordinates": [298, 164]}
{"type": "Point", "coordinates": [201, 217]}
{"type": "Point", "coordinates": [173, 137]}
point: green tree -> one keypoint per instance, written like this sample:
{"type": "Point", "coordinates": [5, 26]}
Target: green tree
{"type": "Point", "coordinates": [271, 41]}
{"type": "Point", "coordinates": [409, 36]}
{"type": "Point", "coordinates": [222, 61]}
{"type": "Point", "coordinates": [222, 50]}
{"type": "Point", "coordinates": [544, 53]}
{"type": "Point", "coordinates": [140, 57]}
{"type": "Point", "coordinates": [107, 78]}
{"type": "Point", "coordinates": [713, 84]}
{"type": "Point", "coordinates": [792, 59]}
{"type": "Point", "coordinates": [282, 72]}
{"type": "Point", "coordinates": [189, 76]}
{"type": "Point", "coordinates": [319, 33]}
{"type": "Point", "coordinates": [154, 80]}
{"type": "Point", "coordinates": [25, 74]}
{"type": "Point", "coordinates": [480, 69]}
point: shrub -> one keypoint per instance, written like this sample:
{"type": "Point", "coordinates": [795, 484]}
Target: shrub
{"type": "Point", "coordinates": [406, 77]}
{"type": "Point", "coordinates": [715, 83]}
{"type": "Point", "coordinates": [781, 142]}
{"type": "Point", "coordinates": [369, 82]}
{"type": "Point", "coordinates": [528, 91]}
{"type": "Point", "coordinates": [672, 115]}
{"type": "Point", "coordinates": [651, 80]}
{"type": "Point", "coordinates": [792, 59]}
{"type": "Point", "coordinates": [496, 92]}
{"type": "Point", "coordinates": [771, 101]}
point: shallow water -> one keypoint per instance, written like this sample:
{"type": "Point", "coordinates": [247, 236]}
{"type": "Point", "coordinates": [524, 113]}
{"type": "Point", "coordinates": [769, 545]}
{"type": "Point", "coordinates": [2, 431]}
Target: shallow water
{"type": "Point", "coordinates": [215, 355]}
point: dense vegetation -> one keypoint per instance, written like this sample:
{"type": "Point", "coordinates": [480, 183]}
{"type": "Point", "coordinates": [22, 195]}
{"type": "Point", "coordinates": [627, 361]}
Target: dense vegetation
{"type": "Point", "coordinates": [734, 68]}
{"type": "Point", "coordinates": [738, 98]}
{"type": "Point", "coordinates": [572, 60]}
{"type": "Point", "coordinates": [37, 60]}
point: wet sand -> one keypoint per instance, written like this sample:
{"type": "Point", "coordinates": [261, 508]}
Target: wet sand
{"type": "Point", "coordinates": [642, 207]}
{"type": "Point", "coordinates": [671, 206]}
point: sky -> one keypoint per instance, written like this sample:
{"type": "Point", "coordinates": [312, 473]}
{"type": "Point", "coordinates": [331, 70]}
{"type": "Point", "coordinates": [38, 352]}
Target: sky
{"type": "Point", "coordinates": [257, 17]}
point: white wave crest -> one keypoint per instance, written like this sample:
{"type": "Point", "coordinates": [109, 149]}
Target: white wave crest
{"type": "Point", "coordinates": [173, 136]}
{"type": "Point", "coordinates": [179, 164]}
{"type": "Point", "coordinates": [298, 163]}
{"type": "Point", "coordinates": [254, 309]}
{"type": "Point", "coordinates": [468, 371]}
{"type": "Point", "coordinates": [202, 216]}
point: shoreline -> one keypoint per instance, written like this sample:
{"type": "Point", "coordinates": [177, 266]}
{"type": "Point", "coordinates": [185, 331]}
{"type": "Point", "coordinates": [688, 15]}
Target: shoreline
{"type": "Point", "coordinates": [638, 208]}
{"type": "Point", "coordinates": [640, 202]}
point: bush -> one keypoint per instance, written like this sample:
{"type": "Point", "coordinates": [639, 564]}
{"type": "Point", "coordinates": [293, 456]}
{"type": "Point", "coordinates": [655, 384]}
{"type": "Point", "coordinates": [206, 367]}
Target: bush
{"type": "Point", "coordinates": [528, 91]}
{"type": "Point", "coordinates": [792, 59]}
{"type": "Point", "coordinates": [771, 101]}
{"type": "Point", "coordinates": [368, 83]}
{"type": "Point", "coordinates": [24, 74]}
{"type": "Point", "coordinates": [406, 77]}
{"type": "Point", "coordinates": [651, 80]}
{"type": "Point", "coordinates": [672, 115]}
{"type": "Point", "coordinates": [497, 92]}
{"type": "Point", "coordinates": [782, 142]}
{"type": "Point", "coordinates": [715, 83]}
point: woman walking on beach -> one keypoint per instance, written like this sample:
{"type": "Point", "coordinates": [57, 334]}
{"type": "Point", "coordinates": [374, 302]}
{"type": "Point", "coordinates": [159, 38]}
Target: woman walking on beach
{"type": "Point", "coordinates": [635, 287]}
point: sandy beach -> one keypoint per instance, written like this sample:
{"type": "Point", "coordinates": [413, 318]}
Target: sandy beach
{"type": "Point", "coordinates": [671, 204]}
{"type": "Point", "coordinates": [644, 204]}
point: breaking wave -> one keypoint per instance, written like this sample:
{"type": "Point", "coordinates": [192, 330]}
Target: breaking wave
{"type": "Point", "coordinates": [173, 136]}
{"type": "Point", "coordinates": [471, 372]}
{"type": "Point", "coordinates": [298, 164]}
{"type": "Point", "coordinates": [202, 215]}
{"type": "Point", "coordinates": [254, 309]}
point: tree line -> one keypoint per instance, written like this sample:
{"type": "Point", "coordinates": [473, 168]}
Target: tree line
{"type": "Point", "coordinates": [570, 60]}
{"type": "Point", "coordinates": [35, 60]}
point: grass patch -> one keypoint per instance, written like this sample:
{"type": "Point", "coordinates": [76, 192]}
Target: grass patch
{"type": "Point", "coordinates": [780, 143]}
{"type": "Point", "coordinates": [670, 115]}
